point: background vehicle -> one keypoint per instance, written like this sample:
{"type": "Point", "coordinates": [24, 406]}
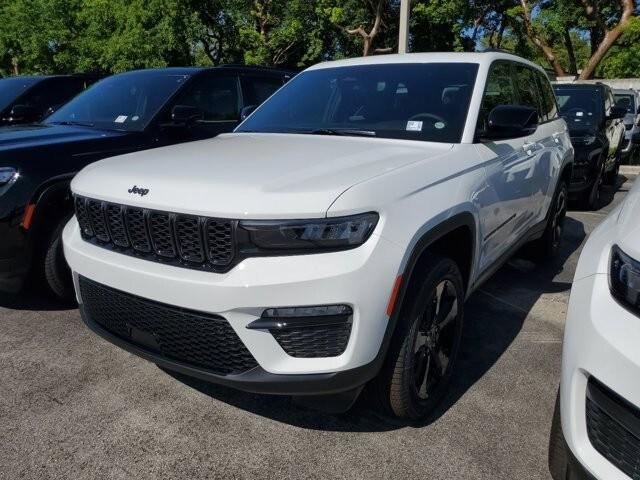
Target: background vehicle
{"type": "Point", "coordinates": [123, 113]}
{"type": "Point", "coordinates": [597, 132]}
{"type": "Point", "coordinates": [595, 429]}
{"type": "Point", "coordinates": [334, 237]}
{"type": "Point", "coordinates": [630, 101]}
{"type": "Point", "coordinates": [27, 99]}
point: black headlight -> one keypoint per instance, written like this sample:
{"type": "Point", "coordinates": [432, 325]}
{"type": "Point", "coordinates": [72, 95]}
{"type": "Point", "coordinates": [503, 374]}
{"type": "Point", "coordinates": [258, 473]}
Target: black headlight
{"type": "Point", "coordinates": [625, 278]}
{"type": "Point", "coordinates": [319, 234]}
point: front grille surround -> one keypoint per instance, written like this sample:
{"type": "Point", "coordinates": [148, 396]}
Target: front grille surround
{"type": "Point", "coordinates": [193, 338]}
{"type": "Point", "coordinates": [188, 241]}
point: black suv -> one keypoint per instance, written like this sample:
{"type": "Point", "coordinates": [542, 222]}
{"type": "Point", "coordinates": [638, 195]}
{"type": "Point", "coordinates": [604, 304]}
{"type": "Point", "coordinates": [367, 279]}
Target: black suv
{"type": "Point", "coordinates": [28, 99]}
{"type": "Point", "coordinates": [120, 114]}
{"type": "Point", "coordinates": [597, 131]}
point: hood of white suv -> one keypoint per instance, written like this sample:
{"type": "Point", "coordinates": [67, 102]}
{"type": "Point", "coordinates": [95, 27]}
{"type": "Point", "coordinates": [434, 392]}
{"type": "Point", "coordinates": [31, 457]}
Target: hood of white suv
{"type": "Point", "coordinates": [249, 175]}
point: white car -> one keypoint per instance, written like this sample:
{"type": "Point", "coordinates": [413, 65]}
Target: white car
{"type": "Point", "coordinates": [332, 239]}
{"type": "Point", "coordinates": [596, 428]}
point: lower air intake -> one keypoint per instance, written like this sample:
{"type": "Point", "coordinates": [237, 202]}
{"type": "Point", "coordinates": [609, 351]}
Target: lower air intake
{"type": "Point", "coordinates": [194, 338]}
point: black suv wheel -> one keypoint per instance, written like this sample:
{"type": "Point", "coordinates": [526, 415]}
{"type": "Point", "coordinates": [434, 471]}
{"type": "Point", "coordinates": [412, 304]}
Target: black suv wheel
{"type": "Point", "coordinates": [57, 273]}
{"type": "Point", "coordinates": [424, 348]}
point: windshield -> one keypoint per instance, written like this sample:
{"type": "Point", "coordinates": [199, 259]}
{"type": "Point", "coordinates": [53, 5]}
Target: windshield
{"type": "Point", "coordinates": [12, 88]}
{"type": "Point", "coordinates": [408, 101]}
{"type": "Point", "coordinates": [626, 100]}
{"type": "Point", "coordinates": [123, 102]}
{"type": "Point", "coordinates": [579, 107]}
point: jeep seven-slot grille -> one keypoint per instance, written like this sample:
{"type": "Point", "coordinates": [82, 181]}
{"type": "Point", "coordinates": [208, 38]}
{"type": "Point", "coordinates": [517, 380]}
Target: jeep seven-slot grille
{"type": "Point", "coordinates": [195, 338]}
{"type": "Point", "coordinates": [184, 240]}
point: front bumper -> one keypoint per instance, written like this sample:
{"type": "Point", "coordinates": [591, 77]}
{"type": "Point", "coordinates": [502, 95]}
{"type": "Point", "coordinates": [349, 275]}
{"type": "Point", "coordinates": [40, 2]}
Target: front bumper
{"type": "Point", "coordinates": [361, 278]}
{"type": "Point", "coordinates": [601, 345]}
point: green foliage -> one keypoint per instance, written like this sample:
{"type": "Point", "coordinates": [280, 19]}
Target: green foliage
{"type": "Point", "coordinates": [55, 36]}
{"type": "Point", "coordinates": [623, 60]}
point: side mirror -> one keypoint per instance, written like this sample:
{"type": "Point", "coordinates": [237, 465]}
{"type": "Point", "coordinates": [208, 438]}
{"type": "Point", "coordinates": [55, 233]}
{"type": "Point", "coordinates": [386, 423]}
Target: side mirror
{"type": "Point", "coordinates": [246, 111]}
{"type": "Point", "coordinates": [616, 112]}
{"type": "Point", "coordinates": [635, 138]}
{"type": "Point", "coordinates": [186, 115]}
{"type": "Point", "coordinates": [510, 121]}
{"type": "Point", "coordinates": [23, 113]}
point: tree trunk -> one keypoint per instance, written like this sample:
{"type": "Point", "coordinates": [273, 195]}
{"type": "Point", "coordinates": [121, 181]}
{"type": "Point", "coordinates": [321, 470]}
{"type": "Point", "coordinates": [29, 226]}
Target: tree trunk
{"type": "Point", "coordinates": [16, 68]}
{"type": "Point", "coordinates": [573, 67]}
{"type": "Point", "coordinates": [369, 38]}
{"type": "Point", "coordinates": [609, 39]}
{"type": "Point", "coordinates": [539, 41]}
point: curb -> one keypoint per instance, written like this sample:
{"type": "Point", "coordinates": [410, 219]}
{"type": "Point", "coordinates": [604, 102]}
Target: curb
{"type": "Point", "coordinates": [630, 169]}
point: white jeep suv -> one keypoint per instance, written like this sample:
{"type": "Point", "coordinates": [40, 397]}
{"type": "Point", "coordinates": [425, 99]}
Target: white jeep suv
{"type": "Point", "coordinates": [596, 426]}
{"type": "Point", "coordinates": [332, 239]}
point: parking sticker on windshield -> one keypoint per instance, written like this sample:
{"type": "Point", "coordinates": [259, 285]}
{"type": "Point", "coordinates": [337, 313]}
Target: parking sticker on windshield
{"type": "Point", "coordinates": [414, 126]}
{"type": "Point", "coordinates": [439, 125]}
{"type": "Point", "coordinates": [121, 119]}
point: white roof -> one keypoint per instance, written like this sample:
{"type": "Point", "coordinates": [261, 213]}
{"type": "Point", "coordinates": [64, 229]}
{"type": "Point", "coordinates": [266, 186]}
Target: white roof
{"type": "Point", "coordinates": [433, 57]}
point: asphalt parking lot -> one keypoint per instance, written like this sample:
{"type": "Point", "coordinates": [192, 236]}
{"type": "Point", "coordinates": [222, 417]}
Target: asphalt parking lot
{"type": "Point", "coordinates": [74, 406]}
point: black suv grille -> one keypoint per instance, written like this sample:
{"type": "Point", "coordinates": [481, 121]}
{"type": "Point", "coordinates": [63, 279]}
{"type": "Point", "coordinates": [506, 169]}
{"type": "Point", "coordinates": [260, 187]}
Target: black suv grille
{"type": "Point", "coordinates": [184, 240]}
{"type": "Point", "coordinates": [613, 426]}
{"type": "Point", "coordinates": [194, 338]}
{"type": "Point", "coordinates": [314, 342]}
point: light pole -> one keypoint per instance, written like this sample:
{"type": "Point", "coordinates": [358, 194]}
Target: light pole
{"type": "Point", "coordinates": [403, 40]}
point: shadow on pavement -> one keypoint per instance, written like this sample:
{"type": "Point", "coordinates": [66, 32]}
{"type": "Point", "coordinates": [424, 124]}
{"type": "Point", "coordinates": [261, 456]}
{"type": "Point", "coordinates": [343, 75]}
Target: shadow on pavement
{"type": "Point", "coordinates": [492, 323]}
{"type": "Point", "coordinates": [33, 300]}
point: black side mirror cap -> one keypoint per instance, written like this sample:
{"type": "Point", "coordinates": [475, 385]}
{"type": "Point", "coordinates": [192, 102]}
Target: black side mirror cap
{"type": "Point", "coordinates": [186, 115]}
{"type": "Point", "coordinates": [510, 121]}
{"type": "Point", "coordinates": [246, 111]}
{"type": "Point", "coordinates": [23, 113]}
{"type": "Point", "coordinates": [616, 112]}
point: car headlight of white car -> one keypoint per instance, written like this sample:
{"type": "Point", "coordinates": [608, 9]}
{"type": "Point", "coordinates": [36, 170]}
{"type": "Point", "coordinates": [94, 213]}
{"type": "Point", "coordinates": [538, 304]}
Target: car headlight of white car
{"type": "Point", "coordinates": [319, 234]}
{"type": "Point", "coordinates": [625, 278]}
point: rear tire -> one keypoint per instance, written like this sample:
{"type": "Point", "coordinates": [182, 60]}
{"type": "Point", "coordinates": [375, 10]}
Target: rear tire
{"type": "Point", "coordinates": [558, 460]}
{"type": "Point", "coordinates": [57, 273]}
{"type": "Point", "coordinates": [548, 246]}
{"type": "Point", "coordinates": [423, 350]}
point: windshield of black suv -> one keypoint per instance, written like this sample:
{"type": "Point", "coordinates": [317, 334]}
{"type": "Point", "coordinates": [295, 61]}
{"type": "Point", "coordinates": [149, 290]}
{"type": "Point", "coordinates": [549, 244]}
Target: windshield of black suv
{"type": "Point", "coordinates": [626, 100]}
{"type": "Point", "coordinates": [12, 88]}
{"type": "Point", "coordinates": [580, 107]}
{"type": "Point", "coordinates": [128, 101]}
{"type": "Point", "coordinates": [426, 102]}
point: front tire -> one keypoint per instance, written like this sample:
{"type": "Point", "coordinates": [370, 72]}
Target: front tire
{"type": "Point", "coordinates": [57, 273]}
{"type": "Point", "coordinates": [422, 354]}
{"type": "Point", "coordinates": [558, 460]}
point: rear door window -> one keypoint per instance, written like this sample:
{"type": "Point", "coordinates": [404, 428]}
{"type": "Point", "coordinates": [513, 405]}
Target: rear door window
{"type": "Point", "coordinates": [548, 98]}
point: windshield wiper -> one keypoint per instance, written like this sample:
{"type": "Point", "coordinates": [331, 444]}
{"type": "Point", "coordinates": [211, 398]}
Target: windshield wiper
{"type": "Point", "coordinates": [73, 122]}
{"type": "Point", "coordinates": [342, 131]}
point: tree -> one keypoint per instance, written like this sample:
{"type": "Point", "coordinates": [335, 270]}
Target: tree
{"type": "Point", "coordinates": [367, 20]}
{"type": "Point", "coordinates": [550, 29]}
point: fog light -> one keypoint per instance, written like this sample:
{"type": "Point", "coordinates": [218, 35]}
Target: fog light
{"type": "Point", "coordinates": [297, 317]}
